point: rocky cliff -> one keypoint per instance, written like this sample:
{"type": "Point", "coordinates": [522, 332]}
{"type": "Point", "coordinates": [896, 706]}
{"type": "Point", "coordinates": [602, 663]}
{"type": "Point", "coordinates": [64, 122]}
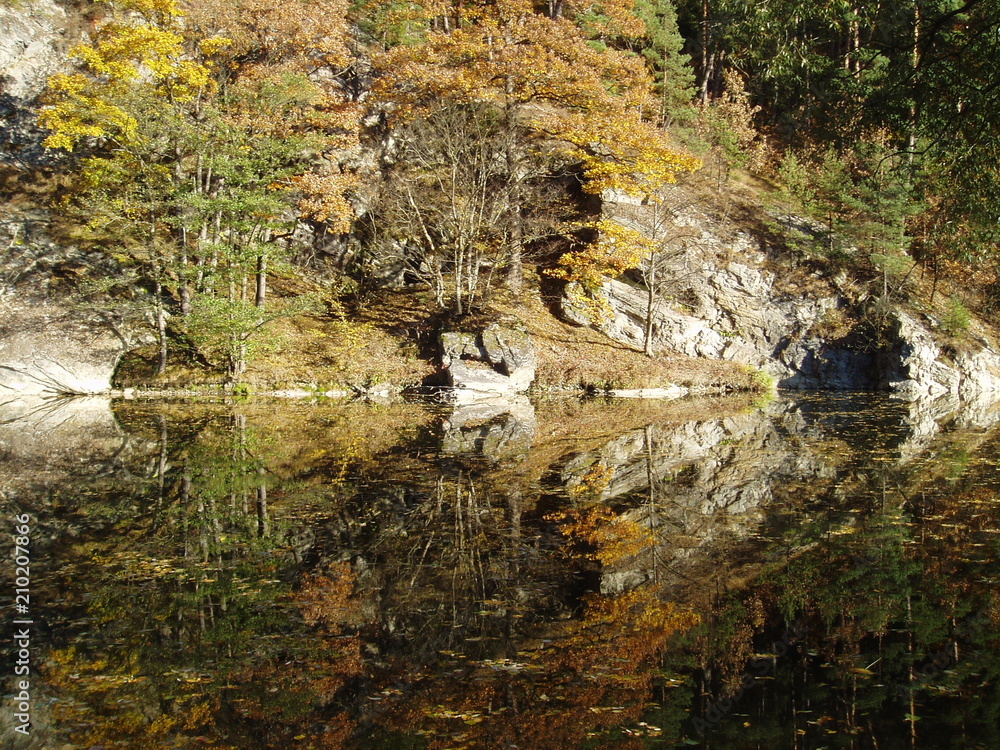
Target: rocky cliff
{"type": "Point", "coordinates": [721, 292]}
{"type": "Point", "coordinates": [34, 39]}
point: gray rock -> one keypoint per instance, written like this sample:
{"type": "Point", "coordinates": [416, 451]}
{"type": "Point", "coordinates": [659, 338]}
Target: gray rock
{"type": "Point", "coordinates": [32, 46]}
{"type": "Point", "coordinates": [917, 368]}
{"type": "Point", "coordinates": [499, 361]}
{"type": "Point", "coordinates": [47, 348]}
{"type": "Point", "coordinates": [718, 307]}
{"type": "Point", "coordinates": [34, 40]}
{"type": "Point", "coordinates": [511, 352]}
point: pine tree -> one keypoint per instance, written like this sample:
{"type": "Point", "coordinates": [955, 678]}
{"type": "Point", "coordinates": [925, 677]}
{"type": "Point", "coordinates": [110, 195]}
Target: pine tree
{"type": "Point", "coordinates": [662, 48]}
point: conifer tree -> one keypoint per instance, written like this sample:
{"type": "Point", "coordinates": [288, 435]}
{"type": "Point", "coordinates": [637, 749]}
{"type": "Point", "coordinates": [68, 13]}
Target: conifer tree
{"type": "Point", "coordinates": [662, 47]}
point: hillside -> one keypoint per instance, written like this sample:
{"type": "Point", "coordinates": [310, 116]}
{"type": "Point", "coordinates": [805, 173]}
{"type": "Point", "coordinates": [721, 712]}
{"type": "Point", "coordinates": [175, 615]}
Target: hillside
{"type": "Point", "coordinates": [194, 202]}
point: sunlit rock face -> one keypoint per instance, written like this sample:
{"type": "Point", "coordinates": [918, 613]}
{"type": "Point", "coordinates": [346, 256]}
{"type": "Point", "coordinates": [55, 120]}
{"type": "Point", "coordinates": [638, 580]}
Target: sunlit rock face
{"type": "Point", "coordinates": [46, 348]}
{"type": "Point", "coordinates": [918, 367]}
{"type": "Point", "coordinates": [721, 297]}
{"type": "Point", "coordinates": [31, 45]}
{"type": "Point", "coordinates": [499, 361]}
{"type": "Point", "coordinates": [34, 39]}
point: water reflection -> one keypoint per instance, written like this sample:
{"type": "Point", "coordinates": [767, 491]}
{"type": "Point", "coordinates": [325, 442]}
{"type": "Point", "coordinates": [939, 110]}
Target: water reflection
{"type": "Point", "coordinates": [815, 572]}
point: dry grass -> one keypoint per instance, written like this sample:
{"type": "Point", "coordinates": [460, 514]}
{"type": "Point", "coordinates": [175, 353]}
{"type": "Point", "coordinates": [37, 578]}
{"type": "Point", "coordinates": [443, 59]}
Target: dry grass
{"type": "Point", "coordinates": [391, 340]}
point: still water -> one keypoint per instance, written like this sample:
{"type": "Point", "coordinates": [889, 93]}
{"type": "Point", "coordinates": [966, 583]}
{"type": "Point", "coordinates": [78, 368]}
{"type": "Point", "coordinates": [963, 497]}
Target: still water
{"type": "Point", "coordinates": [811, 572]}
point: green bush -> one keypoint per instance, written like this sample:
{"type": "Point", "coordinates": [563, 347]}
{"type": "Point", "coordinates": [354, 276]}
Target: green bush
{"type": "Point", "coordinates": [956, 318]}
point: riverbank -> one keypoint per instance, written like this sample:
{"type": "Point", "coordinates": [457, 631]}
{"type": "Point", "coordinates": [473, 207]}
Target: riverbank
{"type": "Point", "coordinates": [389, 345]}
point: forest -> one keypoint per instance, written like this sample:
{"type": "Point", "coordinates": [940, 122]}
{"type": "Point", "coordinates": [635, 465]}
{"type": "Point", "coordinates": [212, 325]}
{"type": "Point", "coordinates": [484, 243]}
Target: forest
{"type": "Point", "coordinates": [207, 149]}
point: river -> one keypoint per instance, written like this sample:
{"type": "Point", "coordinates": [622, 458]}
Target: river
{"type": "Point", "coordinates": [809, 571]}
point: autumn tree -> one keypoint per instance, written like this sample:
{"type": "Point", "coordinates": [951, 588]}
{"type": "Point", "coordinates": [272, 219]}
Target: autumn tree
{"type": "Point", "coordinates": [546, 76]}
{"type": "Point", "coordinates": [665, 264]}
{"type": "Point", "coordinates": [462, 193]}
{"type": "Point", "coordinates": [211, 134]}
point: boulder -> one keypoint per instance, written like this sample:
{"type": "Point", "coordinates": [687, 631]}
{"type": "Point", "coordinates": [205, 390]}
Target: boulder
{"type": "Point", "coordinates": [496, 362]}
{"type": "Point", "coordinates": [511, 352]}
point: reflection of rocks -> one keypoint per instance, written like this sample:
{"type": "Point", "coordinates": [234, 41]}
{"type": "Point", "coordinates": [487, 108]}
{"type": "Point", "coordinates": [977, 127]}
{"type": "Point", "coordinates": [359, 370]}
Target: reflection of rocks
{"type": "Point", "coordinates": [493, 429]}
{"type": "Point", "coordinates": [49, 349]}
{"type": "Point", "coordinates": [699, 482]}
{"type": "Point", "coordinates": [702, 483]}
{"type": "Point", "coordinates": [947, 419]}
{"type": "Point", "coordinates": [500, 360]}
{"type": "Point", "coordinates": [735, 455]}
{"type": "Point", "coordinates": [48, 440]}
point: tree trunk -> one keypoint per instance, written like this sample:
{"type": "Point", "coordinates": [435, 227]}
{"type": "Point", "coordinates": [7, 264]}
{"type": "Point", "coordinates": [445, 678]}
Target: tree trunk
{"type": "Point", "coordinates": [261, 280]}
{"type": "Point", "coordinates": [706, 58]}
{"type": "Point", "coordinates": [515, 266]}
{"type": "Point", "coordinates": [911, 140]}
{"type": "Point", "coordinates": [459, 267]}
{"type": "Point", "coordinates": [161, 328]}
{"type": "Point", "coordinates": [647, 346]}
{"type": "Point", "coordinates": [263, 524]}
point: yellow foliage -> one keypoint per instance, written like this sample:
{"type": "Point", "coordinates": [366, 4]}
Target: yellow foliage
{"type": "Point", "coordinates": [618, 248]}
{"type": "Point", "coordinates": [594, 482]}
{"type": "Point", "coordinates": [214, 45]}
{"type": "Point", "coordinates": [77, 111]}
{"type": "Point", "coordinates": [161, 9]}
{"type": "Point", "coordinates": [613, 537]}
{"type": "Point", "coordinates": [123, 51]}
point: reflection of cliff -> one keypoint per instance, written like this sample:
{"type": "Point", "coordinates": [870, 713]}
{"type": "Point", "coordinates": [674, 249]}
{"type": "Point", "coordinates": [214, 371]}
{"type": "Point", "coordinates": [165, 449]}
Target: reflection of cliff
{"type": "Point", "coordinates": [692, 485]}
{"type": "Point", "coordinates": [46, 440]}
{"type": "Point", "coordinates": [702, 485]}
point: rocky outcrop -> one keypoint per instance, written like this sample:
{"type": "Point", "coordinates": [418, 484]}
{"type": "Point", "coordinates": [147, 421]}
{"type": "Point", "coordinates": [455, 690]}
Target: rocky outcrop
{"type": "Point", "coordinates": [722, 304]}
{"type": "Point", "coordinates": [500, 361]}
{"type": "Point", "coordinates": [48, 343]}
{"type": "Point", "coordinates": [720, 301]}
{"type": "Point", "coordinates": [47, 348]}
{"type": "Point", "coordinates": [34, 39]}
{"type": "Point", "coordinates": [32, 46]}
{"type": "Point", "coordinates": [917, 367]}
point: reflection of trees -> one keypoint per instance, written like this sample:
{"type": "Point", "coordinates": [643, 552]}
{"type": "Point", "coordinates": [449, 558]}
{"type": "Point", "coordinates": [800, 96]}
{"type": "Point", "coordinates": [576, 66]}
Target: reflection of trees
{"type": "Point", "coordinates": [327, 575]}
{"type": "Point", "coordinates": [455, 566]}
{"type": "Point", "coordinates": [193, 627]}
{"type": "Point", "coordinates": [555, 685]}
{"type": "Point", "coordinates": [890, 589]}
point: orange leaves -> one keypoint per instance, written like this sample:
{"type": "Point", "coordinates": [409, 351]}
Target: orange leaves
{"type": "Point", "coordinates": [326, 601]}
{"type": "Point", "coordinates": [508, 54]}
{"type": "Point", "coordinates": [584, 100]}
{"type": "Point", "coordinates": [611, 537]}
{"type": "Point", "coordinates": [324, 198]}
{"type": "Point", "coordinates": [265, 34]}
